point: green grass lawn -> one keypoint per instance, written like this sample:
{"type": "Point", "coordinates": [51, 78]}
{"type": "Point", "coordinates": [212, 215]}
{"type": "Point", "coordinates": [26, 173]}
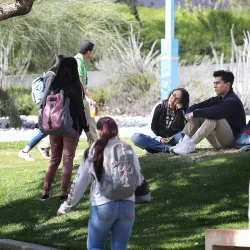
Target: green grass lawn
{"type": "Point", "coordinates": [190, 194]}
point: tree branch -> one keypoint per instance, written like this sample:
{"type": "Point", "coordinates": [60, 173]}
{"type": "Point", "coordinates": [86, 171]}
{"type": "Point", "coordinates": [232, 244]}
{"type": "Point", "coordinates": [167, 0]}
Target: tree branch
{"type": "Point", "coordinates": [18, 8]}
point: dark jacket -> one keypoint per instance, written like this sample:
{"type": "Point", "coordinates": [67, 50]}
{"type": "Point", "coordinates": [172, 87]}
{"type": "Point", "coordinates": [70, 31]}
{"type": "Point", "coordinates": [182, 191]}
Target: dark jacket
{"type": "Point", "coordinates": [230, 108]}
{"type": "Point", "coordinates": [158, 123]}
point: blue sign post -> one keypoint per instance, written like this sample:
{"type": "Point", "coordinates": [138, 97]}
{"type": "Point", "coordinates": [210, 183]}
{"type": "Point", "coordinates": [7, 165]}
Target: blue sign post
{"type": "Point", "coordinates": [169, 53]}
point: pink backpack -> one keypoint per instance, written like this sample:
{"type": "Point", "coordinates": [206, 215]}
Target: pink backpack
{"type": "Point", "coordinates": [54, 117]}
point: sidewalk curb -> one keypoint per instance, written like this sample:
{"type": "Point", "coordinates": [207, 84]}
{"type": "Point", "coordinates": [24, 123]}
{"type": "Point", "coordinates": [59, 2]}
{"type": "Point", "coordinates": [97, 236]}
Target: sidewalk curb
{"type": "Point", "coordinates": [6, 244]}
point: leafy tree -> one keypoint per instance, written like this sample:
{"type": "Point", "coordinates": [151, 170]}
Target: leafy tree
{"type": "Point", "coordinates": [56, 27]}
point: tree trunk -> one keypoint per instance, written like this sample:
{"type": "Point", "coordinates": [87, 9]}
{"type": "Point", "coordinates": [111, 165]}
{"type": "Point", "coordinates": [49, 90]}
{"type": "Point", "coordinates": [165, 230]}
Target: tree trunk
{"type": "Point", "coordinates": [132, 4]}
{"type": "Point", "coordinates": [17, 8]}
{"type": "Point", "coordinates": [10, 109]}
{"type": "Point", "coordinates": [133, 8]}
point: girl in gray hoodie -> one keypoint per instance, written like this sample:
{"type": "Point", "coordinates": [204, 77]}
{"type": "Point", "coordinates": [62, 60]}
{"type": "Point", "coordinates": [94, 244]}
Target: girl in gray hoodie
{"type": "Point", "coordinates": [112, 191]}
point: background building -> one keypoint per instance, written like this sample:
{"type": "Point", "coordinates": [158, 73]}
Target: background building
{"type": "Point", "coordinates": [161, 3]}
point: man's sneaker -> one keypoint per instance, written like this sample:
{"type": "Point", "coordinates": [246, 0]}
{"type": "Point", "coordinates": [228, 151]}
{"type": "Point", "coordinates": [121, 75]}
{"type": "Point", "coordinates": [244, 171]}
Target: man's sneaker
{"type": "Point", "coordinates": [184, 148]}
{"type": "Point", "coordinates": [44, 152]}
{"type": "Point", "coordinates": [245, 148]}
{"type": "Point", "coordinates": [26, 156]}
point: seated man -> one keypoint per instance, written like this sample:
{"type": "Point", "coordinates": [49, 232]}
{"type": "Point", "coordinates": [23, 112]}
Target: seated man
{"type": "Point", "coordinates": [218, 119]}
{"type": "Point", "coordinates": [167, 120]}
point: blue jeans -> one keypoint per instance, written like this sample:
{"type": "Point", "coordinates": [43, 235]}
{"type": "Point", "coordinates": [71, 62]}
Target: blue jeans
{"type": "Point", "coordinates": [37, 138]}
{"type": "Point", "coordinates": [116, 217]}
{"type": "Point", "coordinates": [152, 145]}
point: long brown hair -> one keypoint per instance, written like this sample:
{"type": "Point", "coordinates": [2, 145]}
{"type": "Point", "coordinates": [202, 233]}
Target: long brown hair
{"type": "Point", "coordinates": [108, 129]}
{"type": "Point", "coordinates": [184, 97]}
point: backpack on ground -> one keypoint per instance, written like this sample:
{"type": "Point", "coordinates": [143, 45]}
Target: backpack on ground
{"type": "Point", "coordinates": [54, 116]}
{"type": "Point", "coordinates": [38, 89]}
{"type": "Point", "coordinates": [120, 177]}
{"type": "Point", "coordinates": [142, 193]}
{"type": "Point", "coordinates": [243, 139]}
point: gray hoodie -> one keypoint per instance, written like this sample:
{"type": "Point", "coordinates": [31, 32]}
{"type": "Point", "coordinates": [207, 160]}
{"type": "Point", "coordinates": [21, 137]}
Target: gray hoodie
{"type": "Point", "coordinates": [86, 175]}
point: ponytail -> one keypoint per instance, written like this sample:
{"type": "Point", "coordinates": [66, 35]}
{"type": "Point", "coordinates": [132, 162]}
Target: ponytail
{"type": "Point", "coordinates": [108, 129]}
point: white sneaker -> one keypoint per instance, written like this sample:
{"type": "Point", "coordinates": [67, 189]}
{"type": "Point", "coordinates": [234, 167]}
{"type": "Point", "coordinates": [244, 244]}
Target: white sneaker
{"type": "Point", "coordinates": [171, 149]}
{"type": "Point", "coordinates": [184, 148]}
{"type": "Point", "coordinates": [25, 156]}
{"type": "Point", "coordinates": [43, 152]}
{"type": "Point", "coordinates": [146, 152]}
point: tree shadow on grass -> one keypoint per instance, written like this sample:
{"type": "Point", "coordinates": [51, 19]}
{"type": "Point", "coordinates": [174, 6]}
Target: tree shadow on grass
{"type": "Point", "coordinates": [32, 220]}
{"type": "Point", "coordinates": [188, 197]}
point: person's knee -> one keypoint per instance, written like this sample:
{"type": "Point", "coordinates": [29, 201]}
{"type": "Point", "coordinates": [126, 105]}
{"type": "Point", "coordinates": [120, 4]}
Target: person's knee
{"type": "Point", "coordinates": [211, 122]}
{"type": "Point", "coordinates": [55, 161]}
{"type": "Point", "coordinates": [68, 157]}
{"type": "Point", "coordinates": [136, 138]}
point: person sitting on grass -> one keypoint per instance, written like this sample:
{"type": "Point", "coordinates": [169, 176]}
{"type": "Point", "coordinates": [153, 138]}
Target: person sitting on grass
{"type": "Point", "coordinates": [166, 123]}
{"type": "Point", "coordinates": [218, 119]}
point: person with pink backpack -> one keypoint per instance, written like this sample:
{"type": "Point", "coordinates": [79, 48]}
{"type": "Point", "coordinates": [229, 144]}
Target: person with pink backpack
{"type": "Point", "coordinates": [113, 168]}
{"type": "Point", "coordinates": [62, 116]}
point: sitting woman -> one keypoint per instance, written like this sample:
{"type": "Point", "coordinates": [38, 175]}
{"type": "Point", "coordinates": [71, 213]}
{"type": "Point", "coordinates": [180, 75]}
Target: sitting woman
{"type": "Point", "coordinates": [166, 123]}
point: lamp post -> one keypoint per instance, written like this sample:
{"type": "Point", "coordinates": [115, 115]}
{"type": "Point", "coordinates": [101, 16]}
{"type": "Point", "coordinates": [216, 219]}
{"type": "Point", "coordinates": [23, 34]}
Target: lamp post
{"type": "Point", "coordinates": [169, 53]}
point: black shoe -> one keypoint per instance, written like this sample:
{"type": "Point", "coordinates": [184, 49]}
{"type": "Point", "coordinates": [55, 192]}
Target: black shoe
{"type": "Point", "coordinates": [46, 197]}
{"type": "Point", "coordinates": [63, 197]}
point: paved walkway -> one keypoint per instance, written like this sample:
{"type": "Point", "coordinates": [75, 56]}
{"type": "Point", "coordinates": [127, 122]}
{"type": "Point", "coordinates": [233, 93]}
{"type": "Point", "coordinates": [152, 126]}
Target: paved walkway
{"type": "Point", "coordinates": [26, 135]}
{"type": "Point", "coordinates": [6, 244]}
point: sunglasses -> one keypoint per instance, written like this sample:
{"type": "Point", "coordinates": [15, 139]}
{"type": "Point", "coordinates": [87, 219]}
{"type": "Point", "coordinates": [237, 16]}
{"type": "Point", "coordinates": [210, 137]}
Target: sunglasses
{"type": "Point", "coordinates": [177, 100]}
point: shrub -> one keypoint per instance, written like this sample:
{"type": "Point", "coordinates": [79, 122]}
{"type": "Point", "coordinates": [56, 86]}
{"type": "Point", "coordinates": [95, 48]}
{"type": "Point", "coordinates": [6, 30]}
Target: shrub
{"type": "Point", "coordinates": [239, 65]}
{"type": "Point", "coordinates": [197, 79]}
{"type": "Point", "coordinates": [100, 95]}
{"type": "Point", "coordinates": [23, 101]}
{"type": "Point", "coordinates": [134, 74]}
{"type": "Point", "coordinates": [132, 94]}
{"type": "Point", "coordinates": [195, 28]}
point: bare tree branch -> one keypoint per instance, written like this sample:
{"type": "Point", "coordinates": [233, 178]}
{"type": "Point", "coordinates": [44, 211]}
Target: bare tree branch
{"type": "Point", "coordinates": [17, 8]}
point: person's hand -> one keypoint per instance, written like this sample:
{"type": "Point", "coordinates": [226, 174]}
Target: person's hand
{"type": "Point", "coordinates": [60, 213]}
{"type": "Point", "coordinates": [90, 138]}
{"type": "Point", "coordinates": [164, 140]}
{"type": "Point", "coordinates": [178, 106]}
{"type": "Point", "coordinates": [189, 116]}
{"type": "Point", "coordinates": [90, 101]}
